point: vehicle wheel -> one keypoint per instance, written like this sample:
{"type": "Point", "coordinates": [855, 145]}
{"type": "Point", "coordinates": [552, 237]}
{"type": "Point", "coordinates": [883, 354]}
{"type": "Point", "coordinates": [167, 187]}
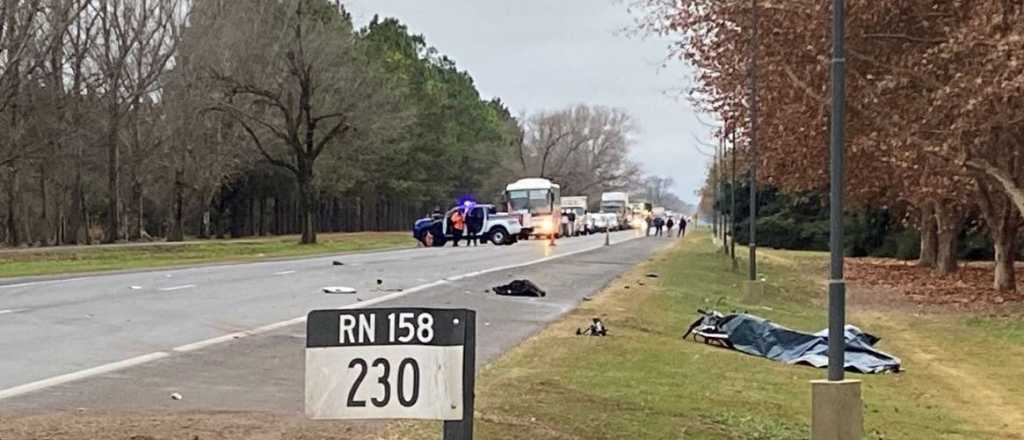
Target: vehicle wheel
{"type": "Point", "coordinates": [499, 236]}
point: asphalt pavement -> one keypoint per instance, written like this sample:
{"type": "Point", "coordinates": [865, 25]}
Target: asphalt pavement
{"type": "Point", "coordinates": [231, 337]}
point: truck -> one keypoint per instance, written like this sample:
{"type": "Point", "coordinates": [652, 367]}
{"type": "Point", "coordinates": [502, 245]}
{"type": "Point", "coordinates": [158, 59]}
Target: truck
{"type": "Point", "coordinates": [578, 206]}
{"type": "Point", "coordinates": [617, 203]}
{"type": "Point", "coordinates": [537, 202]}
{"type": "Point", "coordinates": [499, 228]}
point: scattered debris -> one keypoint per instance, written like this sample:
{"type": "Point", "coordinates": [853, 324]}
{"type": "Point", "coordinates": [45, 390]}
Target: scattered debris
{"type": "Point", "coordinates": [587, 298]}
{"type": "Point", "coordinates": [176, 396]}
{"type": "Point", "coordinates": [337, 263]}
{"type": "Point", "coordinates": [380, 288]}
{"type": "Point", "coordinates": [653, 275]}
{"type": "Point", "coordinates": [626, 287]}
{"type": "Point", "coordinates": [136, 287]}
{"type": "Point", "coordinates": [757, 336]}
{"type": "Point", "coordinates": [641, 283]}
{"type": "Point", "coordinates": [487, 324]}
{"type": "Point", "coordinates": [520, 288]}
{"type": "Point", "coordinates": [339, 289]}
{"type": "Point", "coordinates": [596, 328]}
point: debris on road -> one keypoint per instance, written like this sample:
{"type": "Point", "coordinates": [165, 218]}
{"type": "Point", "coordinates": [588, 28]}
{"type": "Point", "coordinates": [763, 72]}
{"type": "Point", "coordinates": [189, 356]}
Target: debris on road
{"type": "Point", "coordinates": [653, 275]}
{"type": "Point", "coordinates": [176, 396]}
{"type": "Point", "coordinates": [587, 298]}
{"type": "Point", "coordinates": [136, 287]}
{"type": "Point", "coordinates": [596, 328]}
{"type": "Point", "coordinates": [339, 289]}
{"type": "Point", "coordinates": [380, 288]}
{"type": "Point", "coordinates": [520, 288]}
{"type": "Point", "coordinates": [757, 336]}
{"type": "Point", "coordinates": [337, 263]}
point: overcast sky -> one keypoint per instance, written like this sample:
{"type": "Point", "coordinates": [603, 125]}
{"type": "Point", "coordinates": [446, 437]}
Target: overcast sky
{"type": "Point", "coordinates": [549, 54]}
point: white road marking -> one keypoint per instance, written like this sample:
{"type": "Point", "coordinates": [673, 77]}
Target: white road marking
{"type": "Point", "coordinates": [284, 272]}
{"type": "Point", "coordinates": [136, 361]}
{"type": "Point", "coordinates": [78, 375]}
{"type": "Point", "coordinates": [6, 311]}
{"type": "Point", "coordinates": [36, 283]}
{"type": "Point", "coordinates": [181, 287]}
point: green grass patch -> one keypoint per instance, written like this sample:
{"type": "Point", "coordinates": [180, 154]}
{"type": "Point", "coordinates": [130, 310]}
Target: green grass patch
{"type": "Point", "coordinates": [644, 382]}
{"type": "Point", "coordinates": [78, 259]}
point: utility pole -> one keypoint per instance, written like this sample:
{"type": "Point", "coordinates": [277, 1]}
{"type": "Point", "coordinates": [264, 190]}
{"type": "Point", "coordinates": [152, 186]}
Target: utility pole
{"type": "Point", "coordinates": [727, 218]}
{"type": "Point", "coordinates": [714, 195]}
{"type": "Point", "coordinates": [836, 403]}
{"type": "Point", "coordinates": [753, 144]}
{"type": "Point", "coordinates": [836, 284]}
{"type": "Point", "coordinates": [732, 201]}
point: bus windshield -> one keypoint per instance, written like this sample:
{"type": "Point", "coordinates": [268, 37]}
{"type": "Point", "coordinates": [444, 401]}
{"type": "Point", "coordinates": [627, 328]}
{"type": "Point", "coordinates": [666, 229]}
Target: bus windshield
{"type": "Point", "coordinates": [535, 201]}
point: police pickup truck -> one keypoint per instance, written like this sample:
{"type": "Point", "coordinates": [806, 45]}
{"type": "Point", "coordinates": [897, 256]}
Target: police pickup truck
{"type": "Point", "coordinates": [498, 227]}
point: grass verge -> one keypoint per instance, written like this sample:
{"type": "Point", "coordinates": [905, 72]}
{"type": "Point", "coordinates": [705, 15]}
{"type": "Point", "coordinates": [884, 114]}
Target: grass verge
{"type": "Point", "coordinates": [79, 259]}
{"type": "Point", "coordinates": [643, 382]}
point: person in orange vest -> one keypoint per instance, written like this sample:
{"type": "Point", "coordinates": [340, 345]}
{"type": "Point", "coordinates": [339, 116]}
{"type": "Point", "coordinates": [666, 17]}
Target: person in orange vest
{"type": "Point", "coordinates": [458, 225]}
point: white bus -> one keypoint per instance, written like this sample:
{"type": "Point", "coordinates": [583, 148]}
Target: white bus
{"type": "Point", "coordinates": [538, 203]}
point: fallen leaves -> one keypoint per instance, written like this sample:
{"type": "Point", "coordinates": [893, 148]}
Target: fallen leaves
{"type": "Point", "coordinates": [969, 288]}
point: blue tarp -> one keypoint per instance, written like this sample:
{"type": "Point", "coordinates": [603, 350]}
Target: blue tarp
{"type": "Point", "coordinates": [759, 337]}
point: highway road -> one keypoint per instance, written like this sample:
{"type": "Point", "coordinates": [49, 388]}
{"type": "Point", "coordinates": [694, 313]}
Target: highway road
{"type": "Point", "coordinates": [229, 337]}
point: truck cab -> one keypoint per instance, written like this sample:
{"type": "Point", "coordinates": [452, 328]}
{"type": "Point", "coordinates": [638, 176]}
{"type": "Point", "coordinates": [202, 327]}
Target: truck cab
{"type": "Point", "coordinates": [577, 205]}
{"type": "Point", "coordinates": [617, 203]}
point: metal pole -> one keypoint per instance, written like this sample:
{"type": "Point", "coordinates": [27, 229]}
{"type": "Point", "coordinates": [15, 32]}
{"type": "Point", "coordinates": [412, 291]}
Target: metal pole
{"type": "Point", "coordinates": [463, 429]}
{"type": "Point", "coordinates": [714, 196]}
{"type": "Point", "coordinates": [836, 285]}
{"type": "Point", "coordinates": [726, 218]}
{"type": "Point", "coordinates": [753, 144]}
{"type": "Point", "coordinates": [732, 201]}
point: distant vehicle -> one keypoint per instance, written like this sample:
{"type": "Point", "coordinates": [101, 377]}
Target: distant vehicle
{"type": "Point", "coordinates": [498, 228]}
{"type": "Point", "coordinates": [538, 204]}
{"type": "Point", "coordinates": [640, 211]}
{"type": "Point", "coordinates": [617, 203]}
{"type": "Point", "coordinates": [578, 206]}
{"type": "Point", "coordinates": [604, 221]}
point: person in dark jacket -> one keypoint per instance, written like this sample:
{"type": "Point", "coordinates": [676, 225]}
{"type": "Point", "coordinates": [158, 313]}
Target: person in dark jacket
{"type": "Point", "coordinates": [682, 227]}
{"type": "Point", "coordinates": [474, 223]}
{"type": "Point", "coordinates": [659, 225]}
{"type": "Point", "coordinates": [668, 227]}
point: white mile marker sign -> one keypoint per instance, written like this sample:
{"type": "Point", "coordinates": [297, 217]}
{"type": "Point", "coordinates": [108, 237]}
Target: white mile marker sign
{"type": "Point", "coordinates": [392, 363]}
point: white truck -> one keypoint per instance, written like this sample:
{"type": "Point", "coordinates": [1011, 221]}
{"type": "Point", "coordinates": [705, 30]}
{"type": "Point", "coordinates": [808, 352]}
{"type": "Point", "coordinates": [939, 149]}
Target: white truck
{"type": "Point", "coordinates": [577, 205]}
{"type": "Point", "coordinates": [498, 227]}
{"type": "Point", "coordinates": [617, 203]}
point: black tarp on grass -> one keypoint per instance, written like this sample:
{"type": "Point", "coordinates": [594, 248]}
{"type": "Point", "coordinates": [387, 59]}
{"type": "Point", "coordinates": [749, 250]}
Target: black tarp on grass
{"type": "Point", "coordinates": [759, 337]}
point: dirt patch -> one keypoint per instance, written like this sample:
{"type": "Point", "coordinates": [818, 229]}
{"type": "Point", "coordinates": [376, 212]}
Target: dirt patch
{"type": "Point", "coordinates": [888, 282]}
{"type": "Point", "coordinates": [176, 426]}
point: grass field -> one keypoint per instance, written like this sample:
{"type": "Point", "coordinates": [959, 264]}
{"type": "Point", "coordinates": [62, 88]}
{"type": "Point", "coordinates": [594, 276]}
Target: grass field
{"type": "Point", "coordinates": [78, 259]}
{"type": "Point", "coordinates": [962, 378]}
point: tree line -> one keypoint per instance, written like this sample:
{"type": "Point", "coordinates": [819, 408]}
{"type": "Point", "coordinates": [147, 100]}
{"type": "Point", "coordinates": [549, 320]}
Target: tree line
{"type": "Point", "coordinates": [147, 119]}
{"type": "Point", "coordinates": [934, 93]}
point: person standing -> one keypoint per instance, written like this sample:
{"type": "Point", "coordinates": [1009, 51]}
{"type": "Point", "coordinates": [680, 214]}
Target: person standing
{"type": "Point", "coordinates": [474, 223]}
{"type": "Point", "coordinates": [659, 225]}
{"type": "Point", "coordinates": [682, 227]}
{"type": "Point", "coordinates": [458, 225]}
{"type": "Point", "coordinates": [668, 227]}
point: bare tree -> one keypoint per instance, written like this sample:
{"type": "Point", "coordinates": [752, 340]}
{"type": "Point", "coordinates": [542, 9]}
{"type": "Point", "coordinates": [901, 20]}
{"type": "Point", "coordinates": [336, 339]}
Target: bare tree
{"type": "Point", "coordinates": [584, 148]}
{"type": "Point", "coordinates": [292, 77]}
{"type": "Point", "coordinates": [135, 47]}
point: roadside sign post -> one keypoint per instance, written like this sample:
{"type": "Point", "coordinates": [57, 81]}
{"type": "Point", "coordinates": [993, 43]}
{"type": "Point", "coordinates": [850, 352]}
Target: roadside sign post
{"type": "Point", "coordinates": [392, 363]}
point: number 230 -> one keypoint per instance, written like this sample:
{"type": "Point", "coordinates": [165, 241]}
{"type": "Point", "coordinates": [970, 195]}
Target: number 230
{"type": "Point", "coordinates": [407, 364]}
